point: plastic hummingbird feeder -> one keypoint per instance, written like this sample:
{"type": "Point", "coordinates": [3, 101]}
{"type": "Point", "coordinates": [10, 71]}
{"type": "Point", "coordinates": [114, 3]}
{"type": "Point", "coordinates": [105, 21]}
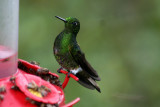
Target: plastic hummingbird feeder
{"type": "Point", "coordinates": [27, 85]}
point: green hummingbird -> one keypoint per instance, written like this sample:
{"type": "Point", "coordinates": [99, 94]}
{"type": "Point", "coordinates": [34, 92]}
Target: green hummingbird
{"type": "Point", "coordinates": [70, 57]}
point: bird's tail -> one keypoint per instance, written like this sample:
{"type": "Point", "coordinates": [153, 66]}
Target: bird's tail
{"type": "Point", "coordinates": [88, 82]}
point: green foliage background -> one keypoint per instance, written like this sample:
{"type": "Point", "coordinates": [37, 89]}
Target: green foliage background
{"type": "Point", "coordinates": [121, 40]}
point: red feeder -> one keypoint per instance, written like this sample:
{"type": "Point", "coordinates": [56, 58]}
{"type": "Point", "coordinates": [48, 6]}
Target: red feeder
{"type": "Point", "coordinates": [17, 94]}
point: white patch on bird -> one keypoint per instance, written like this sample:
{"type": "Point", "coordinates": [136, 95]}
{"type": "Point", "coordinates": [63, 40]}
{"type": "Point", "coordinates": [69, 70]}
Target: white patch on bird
{"type": "Point", "coordinates": [75, 71]}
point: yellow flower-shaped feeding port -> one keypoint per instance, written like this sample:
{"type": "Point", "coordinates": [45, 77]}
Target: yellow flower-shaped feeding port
{"type": "Point", "coordinates": [36, 93]}
{"type": "Point", "coordinates": [39, 91]}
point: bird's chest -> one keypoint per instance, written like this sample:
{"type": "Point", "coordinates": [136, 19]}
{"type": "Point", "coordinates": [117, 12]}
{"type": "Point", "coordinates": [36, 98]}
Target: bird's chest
{"type": "Point", "coordinates": [62, 48]}
{"type": "Point", "coordinates": [62, 44]}
{"type": "Point", "coordinates": [64, 57]}
{"type": "Point", "coordinates": [65, 60]}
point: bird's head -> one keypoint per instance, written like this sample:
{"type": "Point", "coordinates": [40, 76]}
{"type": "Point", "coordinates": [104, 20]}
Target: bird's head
{"type": "Point", "coordinates": [71, 24]}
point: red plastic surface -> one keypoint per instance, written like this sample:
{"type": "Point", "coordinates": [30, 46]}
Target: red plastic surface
{"type": "Point", "coordinates": [70, 75]}
{"type": "Point", "coordinates": [16, 98]}
{"type": "Point", "coordinates": [72, 103]}
{"type": "Point", "coordinates": [13, 98]}
{"type": "Point", "coordinates": [35, 67]}
{"type": "Point", "coordinates": [67, 78]}
{"type": "Point", "coordinates": [22, 80]}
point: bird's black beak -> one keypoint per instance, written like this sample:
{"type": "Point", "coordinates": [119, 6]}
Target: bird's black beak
{"type": "Point", "coordinates": [61, 19]}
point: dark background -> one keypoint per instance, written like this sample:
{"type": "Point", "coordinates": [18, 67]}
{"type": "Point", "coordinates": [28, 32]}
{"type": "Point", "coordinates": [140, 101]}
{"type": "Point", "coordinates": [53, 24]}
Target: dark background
{"type": "Point", "coordinates": [121, 40]}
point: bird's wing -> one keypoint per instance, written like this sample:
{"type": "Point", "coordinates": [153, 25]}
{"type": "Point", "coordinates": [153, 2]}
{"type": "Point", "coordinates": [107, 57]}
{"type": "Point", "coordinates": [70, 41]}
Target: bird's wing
{"type": "Point", "coordinates": [80, 59]}
{"type": "Point", "coordinates": [87, 82]}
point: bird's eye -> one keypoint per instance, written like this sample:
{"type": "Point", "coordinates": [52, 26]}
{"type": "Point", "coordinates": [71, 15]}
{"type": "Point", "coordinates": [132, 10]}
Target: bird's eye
{"type": "Point", "coordinates": [74, 23]}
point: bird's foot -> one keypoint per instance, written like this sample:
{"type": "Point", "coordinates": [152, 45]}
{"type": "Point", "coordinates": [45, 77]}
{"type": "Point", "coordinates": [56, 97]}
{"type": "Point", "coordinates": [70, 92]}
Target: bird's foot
{"type": "Point", "coordinates": [69, 74]}
{"type": "Point", "coordinates": [59, 70]}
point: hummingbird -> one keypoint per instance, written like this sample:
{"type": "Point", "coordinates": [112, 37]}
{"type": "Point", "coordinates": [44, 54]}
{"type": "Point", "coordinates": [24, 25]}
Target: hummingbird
{"type": "Point", "coordinates": [70, 57]}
